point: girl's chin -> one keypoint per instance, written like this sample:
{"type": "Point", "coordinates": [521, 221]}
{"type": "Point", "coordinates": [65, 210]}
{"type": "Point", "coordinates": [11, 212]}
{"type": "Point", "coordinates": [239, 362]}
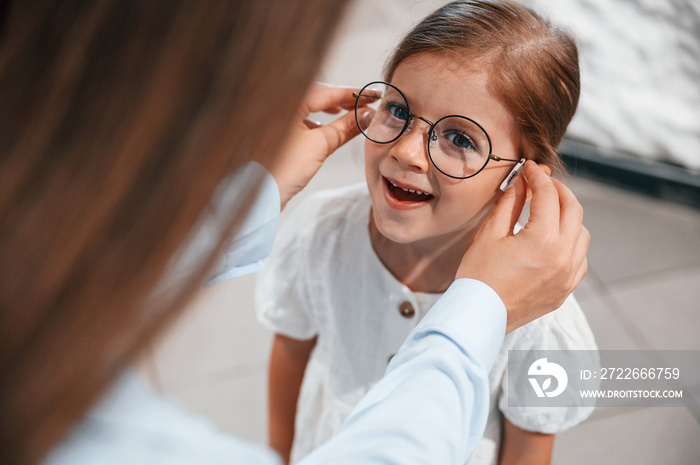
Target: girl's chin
{"type": "Point", "coordinates": [413, 232]}
{"type": "Point", "coordinates": [396, 232]}
{"type": "Point", "coordinates": [399, 239]}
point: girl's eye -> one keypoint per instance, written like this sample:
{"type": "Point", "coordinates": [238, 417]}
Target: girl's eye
{"type": "Point", "coordinates": [460, 140]}
{"type": "Point", "coordinates": [397, 111]}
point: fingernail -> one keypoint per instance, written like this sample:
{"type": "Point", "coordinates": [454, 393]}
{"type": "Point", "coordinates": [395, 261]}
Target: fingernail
{"type": "Point", "coordinates": [365, 119]}
{"type": "Point", "coordinates": [512, 183]}
{"type": "Point", "coordinates": [515, 182]}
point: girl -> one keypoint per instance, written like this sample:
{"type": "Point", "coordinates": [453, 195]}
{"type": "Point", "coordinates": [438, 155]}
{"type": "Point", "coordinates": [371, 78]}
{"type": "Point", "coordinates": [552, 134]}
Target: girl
{"type": "Point", "coordinates": [471, 90]}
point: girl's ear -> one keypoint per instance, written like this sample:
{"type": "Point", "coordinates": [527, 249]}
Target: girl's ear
{"type": "Point", "coordinates": [547, 169]}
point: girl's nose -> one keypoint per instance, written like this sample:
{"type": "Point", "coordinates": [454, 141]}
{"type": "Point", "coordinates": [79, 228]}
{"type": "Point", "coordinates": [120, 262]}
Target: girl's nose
{"type": "Point", "coordinates": [411, 149]}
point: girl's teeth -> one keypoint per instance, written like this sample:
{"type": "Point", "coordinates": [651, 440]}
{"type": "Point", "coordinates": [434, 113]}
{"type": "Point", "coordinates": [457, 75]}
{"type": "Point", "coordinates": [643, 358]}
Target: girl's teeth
{"type": "Point", "coordinates": [408, 190]}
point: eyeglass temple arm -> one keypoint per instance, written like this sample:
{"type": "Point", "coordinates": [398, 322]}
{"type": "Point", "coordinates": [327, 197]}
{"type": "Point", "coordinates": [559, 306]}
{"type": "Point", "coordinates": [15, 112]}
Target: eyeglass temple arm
{"type": "Point", "coordinates": [497, 158]}
{"type": "Point", "coordinates": [356, 95]}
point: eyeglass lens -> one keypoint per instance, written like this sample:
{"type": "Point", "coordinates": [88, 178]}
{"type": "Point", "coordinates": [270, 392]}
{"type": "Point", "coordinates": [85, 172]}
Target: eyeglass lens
{"type": "Point", "coordinates": [457, 146]}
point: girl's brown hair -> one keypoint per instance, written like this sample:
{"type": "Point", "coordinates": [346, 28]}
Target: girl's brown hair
{"type": "Point", "coordinates": [119, 121]}
{"type": "Point", "coordinates": [532, 66]}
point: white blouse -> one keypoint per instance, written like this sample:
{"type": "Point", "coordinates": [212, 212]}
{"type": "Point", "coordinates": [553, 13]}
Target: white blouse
{"type": "Point", "coordinates": [324, 279]}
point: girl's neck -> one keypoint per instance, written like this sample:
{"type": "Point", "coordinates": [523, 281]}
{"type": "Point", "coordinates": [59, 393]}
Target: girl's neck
{"type": "Point", "coordinates": [428, 265]}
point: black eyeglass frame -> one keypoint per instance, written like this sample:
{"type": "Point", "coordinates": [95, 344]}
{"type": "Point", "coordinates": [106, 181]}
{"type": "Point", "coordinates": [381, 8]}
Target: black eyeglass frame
{"type": "Point", "coordinates": [431, 130]}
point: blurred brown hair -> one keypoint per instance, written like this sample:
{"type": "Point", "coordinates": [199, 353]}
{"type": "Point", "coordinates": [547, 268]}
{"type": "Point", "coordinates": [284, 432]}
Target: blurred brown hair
{"type": "Point", "coordinates": [533, 66]}
{"type": "Point", "coordinates": [119, 119]}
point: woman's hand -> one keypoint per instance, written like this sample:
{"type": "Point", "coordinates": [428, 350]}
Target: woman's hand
{"type": "Point", "coordinates": [536, 269]}
{"type": "Point", "coordinates": [309, 143]}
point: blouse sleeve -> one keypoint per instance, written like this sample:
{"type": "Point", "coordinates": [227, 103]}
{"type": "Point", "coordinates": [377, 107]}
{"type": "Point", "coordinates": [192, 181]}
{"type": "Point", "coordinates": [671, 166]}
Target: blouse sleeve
{"type": "Point", "coordinates": [282, 301]}
{"type": "Point", "coordinates": [564, 329]}
{"type": "Point", "coordinates": [133, 425]}
{"type": "Point", "coordinates": [252, 240]}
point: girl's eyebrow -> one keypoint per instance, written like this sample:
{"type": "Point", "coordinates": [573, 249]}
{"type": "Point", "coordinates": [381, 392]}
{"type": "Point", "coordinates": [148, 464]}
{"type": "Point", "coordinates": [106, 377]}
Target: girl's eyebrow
{"type": "Point", "coordinates": [392, 93]}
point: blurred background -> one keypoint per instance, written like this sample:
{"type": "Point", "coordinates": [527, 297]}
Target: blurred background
{"type": "Point", "coordinates": [633, 152]}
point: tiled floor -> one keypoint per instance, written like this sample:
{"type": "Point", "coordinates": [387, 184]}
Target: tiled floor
{"type": "Point", "coordinates": [642, 292]}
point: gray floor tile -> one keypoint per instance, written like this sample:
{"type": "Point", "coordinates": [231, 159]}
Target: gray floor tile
{"type": "Point", "coordinates": [237, 405]}
{"type": "Point", "coordinates": [368, 34]}
{"type": "Point", "coordinates": [651, 436]}
{"type": "Point", "coordinates": [632, 235]}
{"type": "Point", "coordinates": [358, 59]}
{"type": "Point", "coordinates": [367, 37]}
{"type": "Point", "coordinates": [587, 288]}
{"type": "Point", "coordinates": [665, 308]}
{"type": "Point", "coordinates": [611, 330]}
{"type": "Point", "coordinates": [217, 334]}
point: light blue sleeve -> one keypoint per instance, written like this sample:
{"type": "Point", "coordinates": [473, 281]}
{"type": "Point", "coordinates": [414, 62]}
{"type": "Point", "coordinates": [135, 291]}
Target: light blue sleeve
{"type": "Point", "coordinates": [433, 402]}
{"type": "Point", "coordinates": [253, 241]}
{"type": "Point", "coordinates": [135, 426]}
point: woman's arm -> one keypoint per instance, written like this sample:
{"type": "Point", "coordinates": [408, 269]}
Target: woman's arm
{"type": "Point", "coordinates": [525, 447]}
{"type": "Point", "coordinates": [287, 364]}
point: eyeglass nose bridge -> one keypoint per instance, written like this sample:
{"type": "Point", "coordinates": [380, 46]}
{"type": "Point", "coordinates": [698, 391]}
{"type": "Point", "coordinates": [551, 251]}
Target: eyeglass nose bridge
{"type": "Point", "coordinates": [413, 117]}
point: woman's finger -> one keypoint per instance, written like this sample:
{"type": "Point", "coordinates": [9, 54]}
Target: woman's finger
{"type": "Point", "coordinates": [312, 124]}
{"type": "Point", "coordinates": [323, 97]}
{"type": "Point", "coordinates": [570, 212]}
{"type": "Point", "coordinates": [507, 210]}
{"type": "Point", "coordinates": [544, 205]}
{"type": "Point", "coordinates": [584, 240]}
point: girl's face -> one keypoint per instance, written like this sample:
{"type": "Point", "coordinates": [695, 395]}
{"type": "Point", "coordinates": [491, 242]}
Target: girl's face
{"type": "Point", "coordinates": [436, 87]}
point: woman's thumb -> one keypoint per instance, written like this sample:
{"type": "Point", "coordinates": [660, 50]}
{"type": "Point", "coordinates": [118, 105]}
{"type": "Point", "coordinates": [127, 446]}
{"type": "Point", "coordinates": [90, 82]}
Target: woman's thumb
{"type": "Point", "coordinates": [340, 131]}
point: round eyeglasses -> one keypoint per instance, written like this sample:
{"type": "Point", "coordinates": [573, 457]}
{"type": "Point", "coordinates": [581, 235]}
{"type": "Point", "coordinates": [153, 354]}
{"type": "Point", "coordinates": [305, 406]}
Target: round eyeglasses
{"type": "Point", "coordinates": [458, 146]}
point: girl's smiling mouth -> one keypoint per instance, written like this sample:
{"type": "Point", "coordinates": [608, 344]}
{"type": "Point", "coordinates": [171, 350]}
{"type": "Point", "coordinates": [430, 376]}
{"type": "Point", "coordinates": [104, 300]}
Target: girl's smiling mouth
{"type": "Point", "coordinates": [404, 197]}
